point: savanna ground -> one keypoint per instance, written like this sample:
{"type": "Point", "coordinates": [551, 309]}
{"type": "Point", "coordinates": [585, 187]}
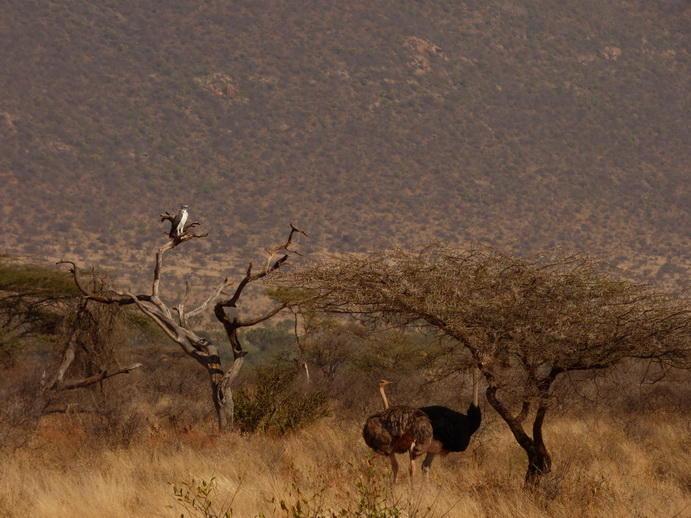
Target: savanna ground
{"type": "Point", "coordinates": [148, 447]}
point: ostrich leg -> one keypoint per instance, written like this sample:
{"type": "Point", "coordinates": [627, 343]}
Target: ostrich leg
{"type": "Point", "coordinates": [394, 466]}
{"type": "Point", "coordinates": [427, 464]}
{"type": "Point", "coordinates": [411, 467]}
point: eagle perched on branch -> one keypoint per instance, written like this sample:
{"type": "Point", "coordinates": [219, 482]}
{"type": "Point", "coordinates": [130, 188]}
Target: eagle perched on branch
{"type": "Point", "coordinates": [178, 222]}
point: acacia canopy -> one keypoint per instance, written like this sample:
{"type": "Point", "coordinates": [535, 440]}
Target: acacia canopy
{"type": "Point", "coordinates": [569, 312]}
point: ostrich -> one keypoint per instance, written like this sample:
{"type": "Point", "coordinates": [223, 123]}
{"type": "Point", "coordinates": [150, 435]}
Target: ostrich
{"type": "Point", "coordinates": [398, 429]}
{"type": "Point", "coordinates": [452, 430]}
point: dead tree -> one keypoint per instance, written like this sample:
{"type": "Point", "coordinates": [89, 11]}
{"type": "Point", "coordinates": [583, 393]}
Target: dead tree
{"type": "Point", "coordinates": [175, 321]}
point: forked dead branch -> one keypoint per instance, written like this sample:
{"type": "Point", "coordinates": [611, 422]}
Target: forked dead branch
{"type": "Point", "coordinates": [175, 321]}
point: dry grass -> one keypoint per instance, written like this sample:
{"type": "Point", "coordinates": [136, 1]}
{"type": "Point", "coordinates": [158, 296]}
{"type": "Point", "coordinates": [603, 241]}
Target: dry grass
{"type": "Point", "coordinates": [603, 467]}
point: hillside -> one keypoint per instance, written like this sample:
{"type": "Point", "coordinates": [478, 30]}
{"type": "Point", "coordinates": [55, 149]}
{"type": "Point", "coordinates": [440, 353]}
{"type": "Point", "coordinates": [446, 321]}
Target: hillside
{"type": "Point", "coordinates": [523, 124]}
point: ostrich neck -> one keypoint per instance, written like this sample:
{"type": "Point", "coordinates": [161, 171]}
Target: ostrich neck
{"type": "Point", "coordinates": [383, 397]}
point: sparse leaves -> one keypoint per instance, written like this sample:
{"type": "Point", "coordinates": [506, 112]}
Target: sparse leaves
{"type": "Point", "coordinates": [198, 499]}
{"type": "Point", "coordinates": [565, 311]}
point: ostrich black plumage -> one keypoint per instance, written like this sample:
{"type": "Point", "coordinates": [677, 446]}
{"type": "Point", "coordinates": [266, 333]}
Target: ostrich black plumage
{"type": "Point", "coordinates": [452, 430]}
{"type": "Point", "coordinates": [398, 429]}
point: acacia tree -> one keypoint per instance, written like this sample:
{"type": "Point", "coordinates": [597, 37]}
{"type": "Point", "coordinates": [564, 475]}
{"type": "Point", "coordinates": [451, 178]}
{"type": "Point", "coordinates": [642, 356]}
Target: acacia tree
{"type": "Point", "coordinates": [534, 319]}
{"type": "Point", "coordinates": [175, 321]}
{"type": "Point", "coordinates": [34, 304]}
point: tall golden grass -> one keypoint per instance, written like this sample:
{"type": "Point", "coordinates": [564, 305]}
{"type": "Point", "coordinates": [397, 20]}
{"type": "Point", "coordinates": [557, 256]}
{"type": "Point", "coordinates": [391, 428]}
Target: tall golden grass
{"type": "Point", "coordinates": [605, 465]}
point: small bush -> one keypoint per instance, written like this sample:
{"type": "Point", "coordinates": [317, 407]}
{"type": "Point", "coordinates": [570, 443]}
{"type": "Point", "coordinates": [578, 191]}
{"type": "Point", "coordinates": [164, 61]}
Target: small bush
{"type": "Point", "coordinates": [21, 407]}
{"type": "Point", "coordinates": [275, 403]}
{"type": "Point", "coordinates": [372, 498]}
{"type": "Point", "coordinates": [196, 499]}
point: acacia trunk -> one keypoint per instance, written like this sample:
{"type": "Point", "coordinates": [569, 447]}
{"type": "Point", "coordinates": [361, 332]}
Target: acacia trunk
{"type": "Point", "coordinates": [539, 465]}
{"type": "Point", "coordinates": [539, 459]}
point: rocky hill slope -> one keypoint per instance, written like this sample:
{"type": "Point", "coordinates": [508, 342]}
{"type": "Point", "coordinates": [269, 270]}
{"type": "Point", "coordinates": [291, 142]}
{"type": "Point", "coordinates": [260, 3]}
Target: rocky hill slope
{"type": "Point", "coordinates": [523, 124]}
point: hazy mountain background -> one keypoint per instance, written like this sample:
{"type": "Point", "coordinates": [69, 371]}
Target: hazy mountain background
{"type": "Point", "coordinates": [525, 124]}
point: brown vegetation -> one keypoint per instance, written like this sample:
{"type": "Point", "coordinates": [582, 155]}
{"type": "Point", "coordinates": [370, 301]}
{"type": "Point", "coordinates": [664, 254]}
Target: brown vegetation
{"type": "Point", "coordinates": [619, 437]}
{"type": "Point", "coordinates": [627, 455]}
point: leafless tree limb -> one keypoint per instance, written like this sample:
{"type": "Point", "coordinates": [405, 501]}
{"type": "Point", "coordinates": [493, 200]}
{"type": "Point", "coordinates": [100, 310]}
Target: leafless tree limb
{"type": "Point", "coordinates": [91, 380]}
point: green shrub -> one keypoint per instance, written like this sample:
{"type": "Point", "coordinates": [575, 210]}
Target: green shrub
{"type": "Point", "coordinates": [278, 402]}
{"type": "Point", "coordinates": [196, 499]}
